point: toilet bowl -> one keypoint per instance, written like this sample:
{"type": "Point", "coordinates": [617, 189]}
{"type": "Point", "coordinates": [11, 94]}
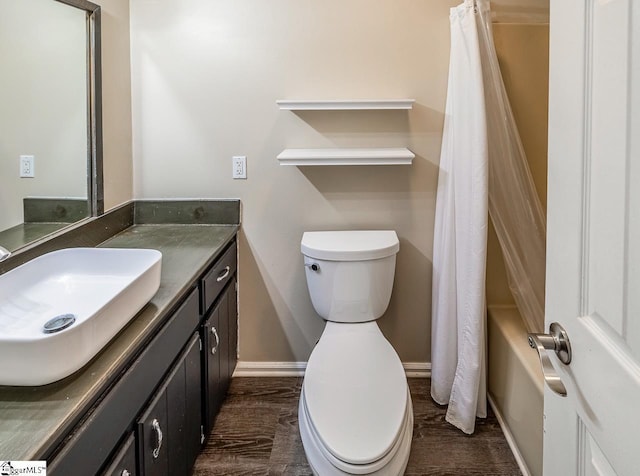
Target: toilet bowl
{"type": "Point", "coordinates": [355, 413]}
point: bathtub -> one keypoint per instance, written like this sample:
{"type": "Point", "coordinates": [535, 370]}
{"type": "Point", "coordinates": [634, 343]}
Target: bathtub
{"type": "Point", "coordinates": [516, 386]}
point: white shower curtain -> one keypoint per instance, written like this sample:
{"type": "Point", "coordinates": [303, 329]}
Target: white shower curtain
{"type": "Point", "coordinates": [514, 205]}
{"type": "Point", "coordinates": [482, 165]}
{"type": "Point", "coordinates": [458, 376]}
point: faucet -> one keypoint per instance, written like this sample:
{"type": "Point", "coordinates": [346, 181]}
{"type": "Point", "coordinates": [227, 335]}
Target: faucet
{"type": "Point", "coordinates": [4, 253]}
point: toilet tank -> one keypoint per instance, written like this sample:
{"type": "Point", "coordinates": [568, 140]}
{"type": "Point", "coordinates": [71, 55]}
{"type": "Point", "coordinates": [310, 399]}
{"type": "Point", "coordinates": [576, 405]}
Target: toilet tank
{"type": "Point", "coordinates": [350, 273]}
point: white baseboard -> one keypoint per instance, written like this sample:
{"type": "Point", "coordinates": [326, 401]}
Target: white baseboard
{"type": "Point", "coordinates": [296, 369]}
{"type": "Point", "coordinates": [417, 369]}
{"type": "Point", "coordinates": [510, 439]}
{"type": "Point", "coordinates": [269, 369]}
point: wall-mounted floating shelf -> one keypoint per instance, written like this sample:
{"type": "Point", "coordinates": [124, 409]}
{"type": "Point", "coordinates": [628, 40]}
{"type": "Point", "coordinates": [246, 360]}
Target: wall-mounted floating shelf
{"type": "Point", "coordinates": [345, 104]}
{"type": "Point", "coordinates": [383, 156]}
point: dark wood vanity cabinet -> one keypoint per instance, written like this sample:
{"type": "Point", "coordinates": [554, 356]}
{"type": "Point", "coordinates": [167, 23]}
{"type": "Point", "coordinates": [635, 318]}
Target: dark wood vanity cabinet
{"type": "Point", "coordinates": [154, 418]}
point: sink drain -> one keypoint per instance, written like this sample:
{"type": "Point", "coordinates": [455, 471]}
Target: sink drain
{"type": "Point", "coordinates": [58, 323]}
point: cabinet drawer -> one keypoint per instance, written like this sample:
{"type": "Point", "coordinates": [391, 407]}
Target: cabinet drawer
{"type": "Point", "coordinates": [216, 279]}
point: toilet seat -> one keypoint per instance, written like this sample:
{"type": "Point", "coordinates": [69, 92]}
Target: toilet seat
{"type": "Point", "coordinates": [323, 463]}
{"type": "Point", "coordinates": [355, 398]}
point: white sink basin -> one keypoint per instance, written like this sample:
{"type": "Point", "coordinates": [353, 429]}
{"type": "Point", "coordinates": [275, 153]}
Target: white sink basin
{"type": "Point", "coordinates": [95, 290]}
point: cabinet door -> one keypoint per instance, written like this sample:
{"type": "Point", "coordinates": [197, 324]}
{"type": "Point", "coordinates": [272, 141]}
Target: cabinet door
{"type": "Point", "coordinates": [233, 326]}
{"type": "Point", "coordinates": [152, 434]}
{"type": "Point", "coordinates": [170, 429]}
{"type": "Point", "coordinates": [211, 375]}
{"type": "Point", "coordinates": [124, 462]}
{"type": "Point", "coordinates": [176, 419]}
{"type": "Point", "coordinates": [193, 398]}
{"type": "Point", "coordinates": [228, 320]}
{"type": "Point", "coordinates": [223, 350]}
{"type": "Point", "coordinates": [183, 410]}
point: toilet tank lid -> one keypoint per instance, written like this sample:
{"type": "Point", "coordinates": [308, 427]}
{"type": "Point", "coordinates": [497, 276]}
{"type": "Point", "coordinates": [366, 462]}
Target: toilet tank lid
{"type": "Point", "coordinates": [357, 245]}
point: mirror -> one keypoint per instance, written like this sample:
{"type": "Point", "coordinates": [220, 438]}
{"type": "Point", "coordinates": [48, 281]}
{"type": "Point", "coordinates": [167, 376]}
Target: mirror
{"type": "Point", "coordinates": [50, 119]}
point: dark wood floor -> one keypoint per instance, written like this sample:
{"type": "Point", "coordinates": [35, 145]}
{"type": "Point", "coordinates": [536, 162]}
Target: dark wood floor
{"type": "Point", "coordinates": [256, 433]}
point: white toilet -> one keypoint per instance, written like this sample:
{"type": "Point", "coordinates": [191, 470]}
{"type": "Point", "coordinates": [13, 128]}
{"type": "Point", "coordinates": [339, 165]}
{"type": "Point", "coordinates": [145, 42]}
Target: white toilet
{"type": "Point", "coordinates": [355, 410]}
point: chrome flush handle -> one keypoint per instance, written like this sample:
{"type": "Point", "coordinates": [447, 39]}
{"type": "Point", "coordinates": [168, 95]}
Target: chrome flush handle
{"type": "Point", "coordinates": [558, 341]}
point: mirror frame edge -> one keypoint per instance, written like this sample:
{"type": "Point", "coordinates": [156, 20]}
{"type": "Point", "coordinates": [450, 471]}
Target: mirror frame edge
{"type": "Point", "coordinates": [95, 56]}
{"type": "Point", "coordinates": [95, 180]}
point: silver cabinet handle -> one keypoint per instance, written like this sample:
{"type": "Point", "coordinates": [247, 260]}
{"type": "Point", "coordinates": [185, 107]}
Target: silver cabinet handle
{"type": "Point", "coordinates": [223, 274]}
{"type": "Point", "coordinates": [558, 341]}
{"type": "Point", "coordinates": [155, 425]}
{"type": "Point", "coordinates": [214, 349]}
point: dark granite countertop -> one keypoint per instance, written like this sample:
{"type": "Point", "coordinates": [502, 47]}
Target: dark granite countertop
{"type": "Point", "coordinates": [33, 419]}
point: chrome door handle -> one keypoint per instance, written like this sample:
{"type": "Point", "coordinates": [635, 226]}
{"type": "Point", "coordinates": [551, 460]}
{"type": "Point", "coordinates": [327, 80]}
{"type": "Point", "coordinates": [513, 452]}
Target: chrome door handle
{"type": "Point", "coordinates": [558, 341]}
{"type": "Point", "coordinates": [155, 425]}
{"type": "Point", "coordinates": [223, 274]}
{"type": "Point", "coordinates": [214, 349]}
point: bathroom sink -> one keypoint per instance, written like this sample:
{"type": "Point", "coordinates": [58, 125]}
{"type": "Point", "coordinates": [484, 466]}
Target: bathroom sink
{"type": "Point", "coordinates": [59, 310]}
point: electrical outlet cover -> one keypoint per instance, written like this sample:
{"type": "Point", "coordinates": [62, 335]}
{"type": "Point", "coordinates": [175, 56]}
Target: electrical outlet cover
{"type": "Point", "coordinates": [27, 166]}
{"type": "Point", "coordinates": [239, 170]}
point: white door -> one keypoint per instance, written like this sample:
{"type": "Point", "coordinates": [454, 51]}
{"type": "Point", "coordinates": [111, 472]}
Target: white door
{"type": "Point", "coordinates": [593, 251]}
